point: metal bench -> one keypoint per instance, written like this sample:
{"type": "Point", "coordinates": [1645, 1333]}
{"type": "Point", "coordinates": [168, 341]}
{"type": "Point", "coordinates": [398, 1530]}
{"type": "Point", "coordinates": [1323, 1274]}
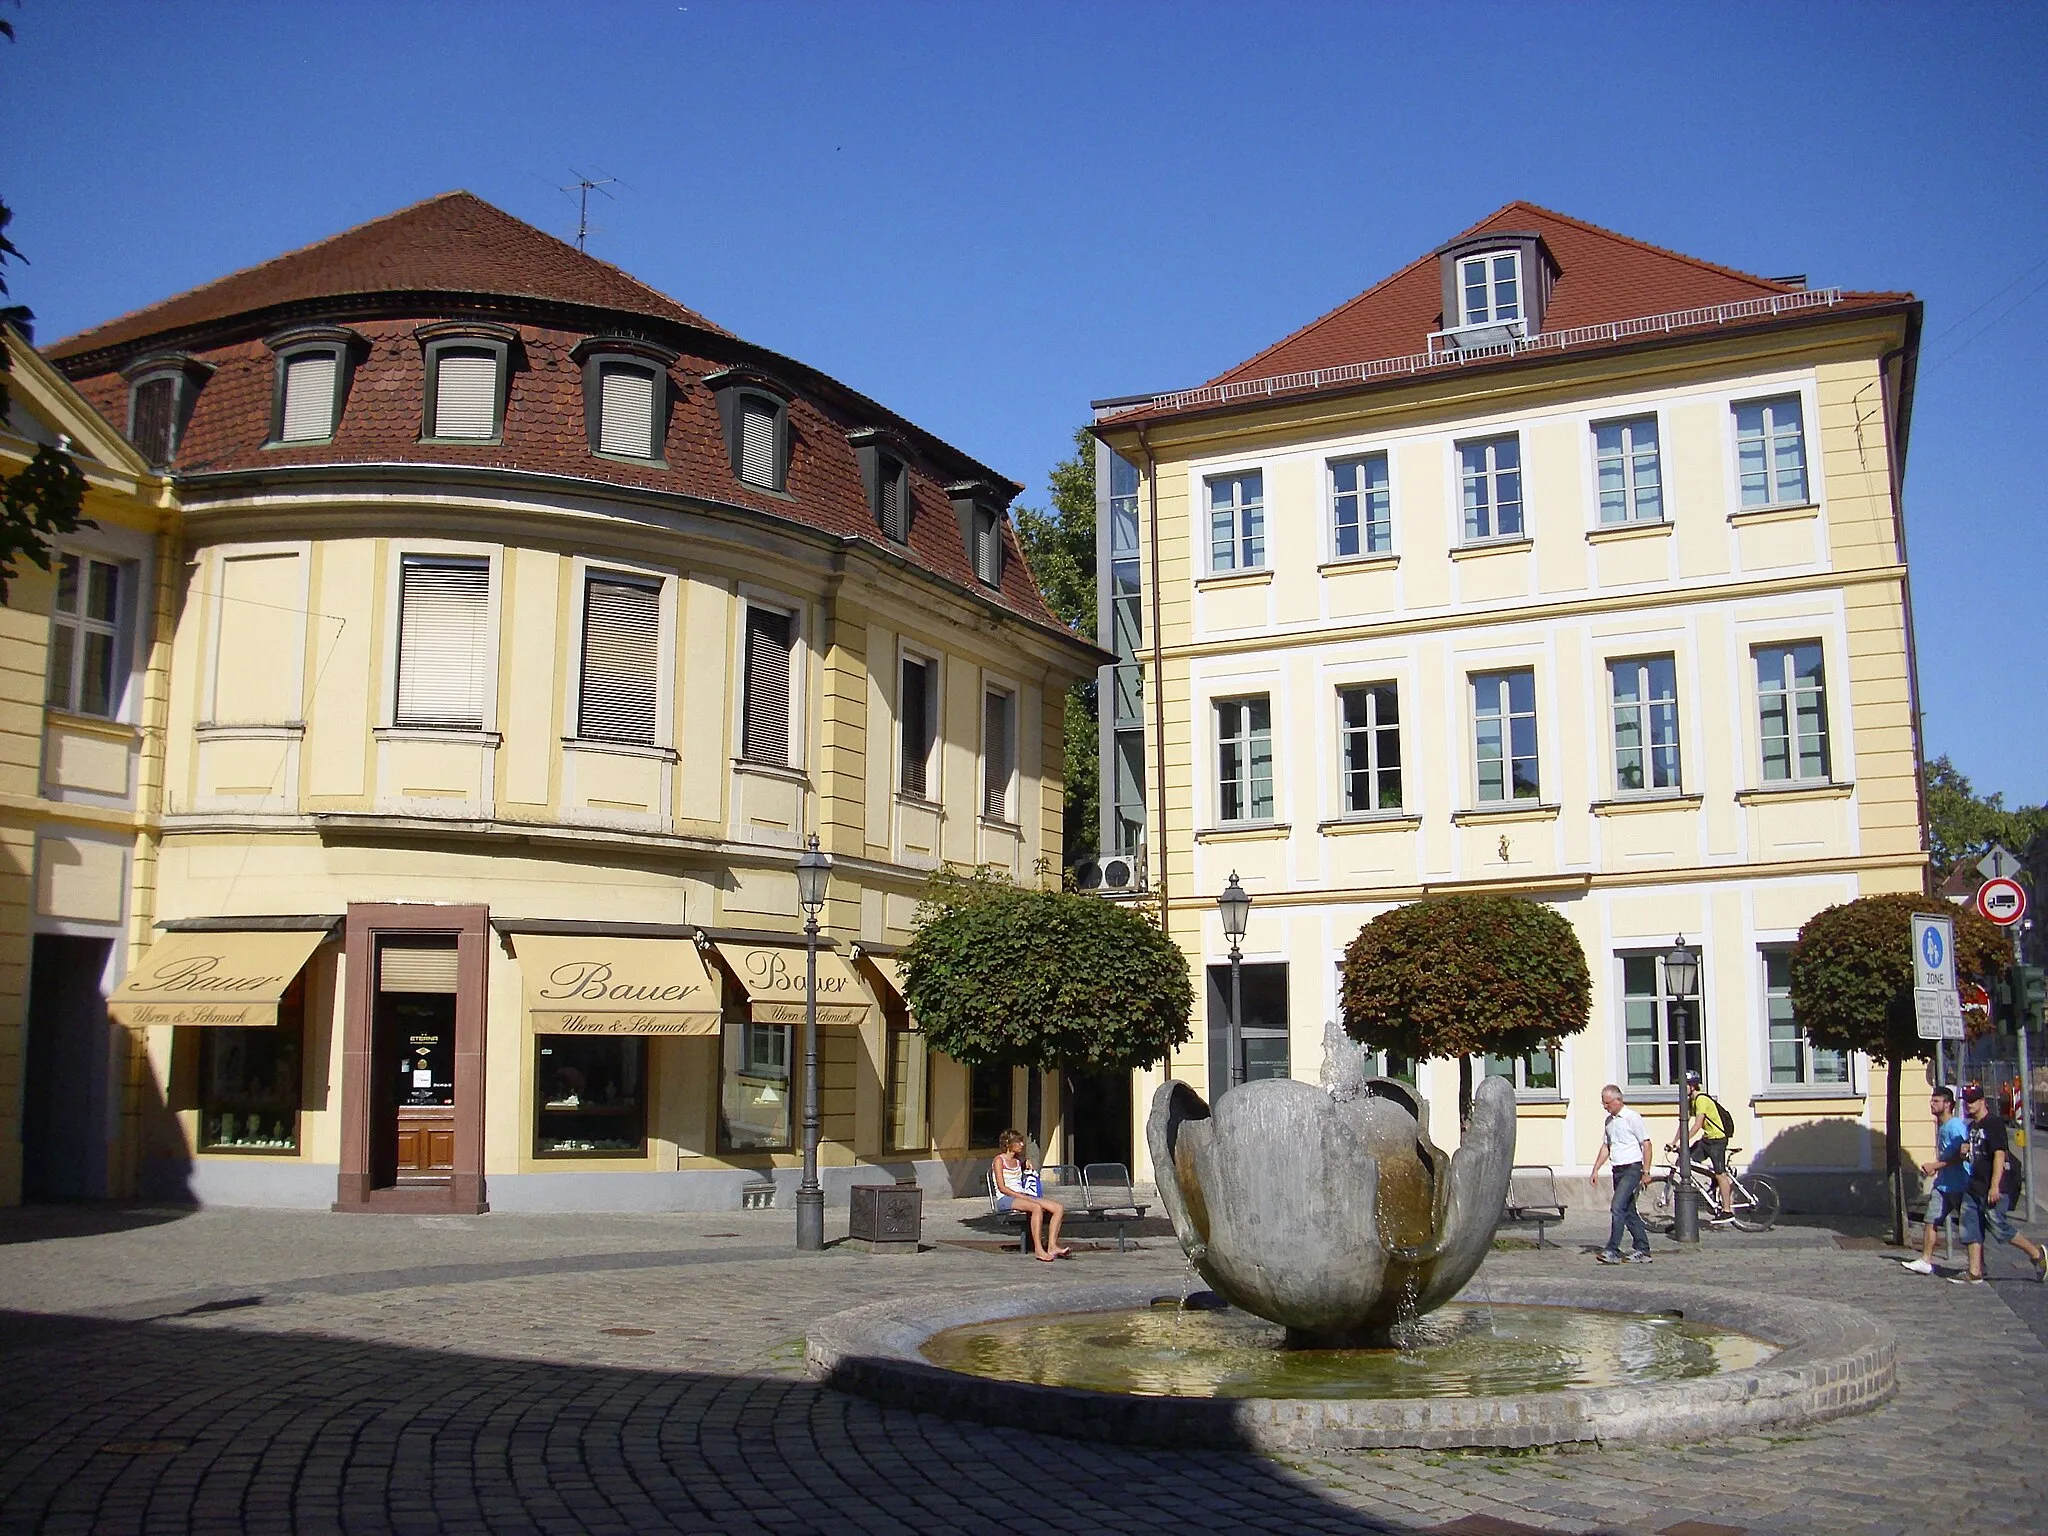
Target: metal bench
{"type": "Point", "coordinates": [1107, 1195]}
{"type": "Point", "coordinates": [1053, 1178]}
{"type": "Point", "coordinates": [1532, 1196]}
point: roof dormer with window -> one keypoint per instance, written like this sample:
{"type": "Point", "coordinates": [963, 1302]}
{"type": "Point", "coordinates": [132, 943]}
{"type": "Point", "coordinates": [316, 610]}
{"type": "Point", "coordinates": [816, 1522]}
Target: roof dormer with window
{"type": "Point", "coordinates": [467, 365]}
{"type": "Point", "coordinates": [753, 414]}
{"type": "Point", "coordinates": [1495, 289]}
{"type": "Point", "coordinates": [625, 396]}
{"type": "Point", "coordinates": [885, 474]}
{"type": "Point", "coordinates": [162, 389]}
{"type": "Point", "coordinates": [980, 507]}
{"type": "Point", "coordinates": [314, 365]}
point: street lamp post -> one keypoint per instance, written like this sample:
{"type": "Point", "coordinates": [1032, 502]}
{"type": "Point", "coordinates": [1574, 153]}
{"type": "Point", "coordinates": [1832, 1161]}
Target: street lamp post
{"type": "Point", "coordinates": [1681, 975]}
{"type": "Point", "coordinates": [1236, 905]}
{"type": "Point", "coordinates": [813, 870]}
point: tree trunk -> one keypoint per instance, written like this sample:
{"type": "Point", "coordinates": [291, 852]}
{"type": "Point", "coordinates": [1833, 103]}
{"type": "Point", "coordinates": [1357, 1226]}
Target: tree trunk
{"type": "Point", "coordinates": [1895, 1175]}
{"type": "Point", "coordinates": [1464, 1090]}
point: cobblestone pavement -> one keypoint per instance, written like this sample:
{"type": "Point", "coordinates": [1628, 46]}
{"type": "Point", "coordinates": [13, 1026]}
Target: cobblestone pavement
{"type": "Point", "coordinates": [233, 1370]}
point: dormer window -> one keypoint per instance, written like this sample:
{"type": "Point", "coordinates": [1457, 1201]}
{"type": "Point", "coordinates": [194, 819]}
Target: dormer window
{"type": "Point", "coordinates": [885, 472]}
{"type": "Point", "coordinates": [161, 394]}
{"type": "Point", "coordinates": [753, 412]}
{"type": "Point", "coordinates": [980, 511]}
{"type": "Point", "coordinates": [466, 367]}
{"type": "Point", "coordinates": [625, 396]}
{"type": "Point", "coordinates": [313, 367]}
{"type": "Point", "coordinates": [1490, 288]}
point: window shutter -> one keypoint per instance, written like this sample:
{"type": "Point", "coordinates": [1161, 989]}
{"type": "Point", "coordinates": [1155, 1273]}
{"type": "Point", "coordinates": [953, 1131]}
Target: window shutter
{"type": "Point", "coordinates": [152, 421]}
{"type": "Point", "coordinates": [308, 397]}
{"type": "Point", "coordinates": [466, 395]}
{"type": "Point", "coordinates": [621, 651]}
{"type": "Point", "coordinates": [995, 756]}
{"type": "Point", "coordinates": [988, 547]}
{"type": "Point", "coordinates": [757, 444]}
{"type": "Point", "coordinates": [626, 411]}
{"type": "Point", "coordinates": [913, 706]}
{"type": "Point", "coordinates": [443, 644]}
{"type": "Point", "coordinates": [420, 969]}
{"type": "Point", "coordinates": [764, 729]}
{"type": "Point", "coordinates": [893, 478]}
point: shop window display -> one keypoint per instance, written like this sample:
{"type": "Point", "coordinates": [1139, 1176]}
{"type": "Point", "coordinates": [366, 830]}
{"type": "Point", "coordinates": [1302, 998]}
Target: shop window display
{"type": "Point", "coordinates": [249, 1081]}
{"type": "Point", "coordinates": [590, 1094]}
{"type": "Point", "coordinates": [754, 1108]}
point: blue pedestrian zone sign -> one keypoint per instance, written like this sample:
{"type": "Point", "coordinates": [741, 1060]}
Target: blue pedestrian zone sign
{"type": "Point", "coordinates": [1934, 959]}
{"type": "Point", "coordinates": [1932, 949]}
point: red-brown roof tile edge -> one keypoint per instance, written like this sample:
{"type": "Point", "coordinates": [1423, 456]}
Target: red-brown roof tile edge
{"type": "Point", "coordinates": [195, 485]}
{"type": "Point", "coordinates": [1248, 395]}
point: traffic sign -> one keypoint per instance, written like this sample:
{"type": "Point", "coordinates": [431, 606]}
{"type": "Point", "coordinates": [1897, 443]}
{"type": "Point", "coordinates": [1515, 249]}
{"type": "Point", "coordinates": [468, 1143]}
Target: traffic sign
{"type": "Point", "coordinates": [1934, 952]}
{"type": "Point", "coordinates": [1938, 1013]}
{"type": "Point", "coordinates": [2003, 901]}
{"type": "Point", "coordinates": [1999, 863]}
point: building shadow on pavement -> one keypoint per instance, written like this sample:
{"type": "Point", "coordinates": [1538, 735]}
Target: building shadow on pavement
{"type": "Point", "coordinates": [82, 1218]}
{"type": "Point", "coordinates": [156, 1425]}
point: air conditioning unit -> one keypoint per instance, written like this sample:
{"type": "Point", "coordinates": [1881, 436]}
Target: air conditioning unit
{"type": "Point", "coordinates": [1112, 874]}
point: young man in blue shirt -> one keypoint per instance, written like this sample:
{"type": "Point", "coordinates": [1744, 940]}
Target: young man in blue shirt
{"type": "Point", "coordinates": [1951, 1177]}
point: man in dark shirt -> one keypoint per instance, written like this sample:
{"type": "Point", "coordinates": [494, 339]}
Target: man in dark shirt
{"type": "Point", "coordinates": [1994, 1182]}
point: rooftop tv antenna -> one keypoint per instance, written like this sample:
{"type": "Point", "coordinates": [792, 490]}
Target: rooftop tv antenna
{"type": "Point", "coordinates": [583, 186]}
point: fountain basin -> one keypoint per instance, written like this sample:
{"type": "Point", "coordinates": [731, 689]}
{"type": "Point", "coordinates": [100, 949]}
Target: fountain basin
{"type": "Point", "coordinates": [1828, 1360]}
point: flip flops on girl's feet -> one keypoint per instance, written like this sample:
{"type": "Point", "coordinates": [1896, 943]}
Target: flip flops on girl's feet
{"type": "Point", "coordinates": [1063, 1253]}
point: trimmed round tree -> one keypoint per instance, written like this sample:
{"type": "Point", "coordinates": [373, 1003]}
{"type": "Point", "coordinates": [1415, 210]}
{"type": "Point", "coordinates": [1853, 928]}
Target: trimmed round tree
{"type": "Point", "coordinates": [1002, 976]}
{"type": "Point", "coordinates": [1466, 976]}
{"type": "Point", "coordinates": [1852, 990]}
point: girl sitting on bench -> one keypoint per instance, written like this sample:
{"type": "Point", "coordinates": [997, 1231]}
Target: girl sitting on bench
{"type": "Point", "coordinates": [1017, 1190]}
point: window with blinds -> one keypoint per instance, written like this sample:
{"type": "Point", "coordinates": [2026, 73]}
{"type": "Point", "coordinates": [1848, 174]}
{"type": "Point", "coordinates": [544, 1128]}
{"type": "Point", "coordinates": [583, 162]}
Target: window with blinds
{"type": "Point", "coordinates": [626, 411]}
{"type": "Point", "coordinates": [309, 391]}
{"type": "Point", "coordinates": [998, 754]}
{"type": "Point", "coordinates": [443, 643]}
{"type": "Point", "coordinates": [764, 725]}
{"type": "Point", "coordinates": [893, 497]}
{"type": "Point", "coordinates": [152, 418]}
{"type": "Point", "coordinates": [757, 444]}
{"type": "Point", "coordinates": [621, 652]}
{"type": "Point", "coordinates": [914, 706]}
{"type": "Point", "coordinates": [466, 393]}
{"type": "Point", "coordinates": [988, 546]}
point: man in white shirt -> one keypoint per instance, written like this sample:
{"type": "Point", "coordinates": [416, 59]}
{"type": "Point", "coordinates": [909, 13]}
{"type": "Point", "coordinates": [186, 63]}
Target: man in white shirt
{"type": "Point", "coordinates": [1624, 1143]}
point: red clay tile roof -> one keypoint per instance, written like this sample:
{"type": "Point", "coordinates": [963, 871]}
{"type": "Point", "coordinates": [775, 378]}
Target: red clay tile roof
{"type": "Point", "coordinates": [454, 243]}
{"type": "Point", "coordinates": [1603, 277]}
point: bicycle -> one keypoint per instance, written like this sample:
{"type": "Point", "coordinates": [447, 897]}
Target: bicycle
{"type": "Point", "coordinates": [1755, 1199]}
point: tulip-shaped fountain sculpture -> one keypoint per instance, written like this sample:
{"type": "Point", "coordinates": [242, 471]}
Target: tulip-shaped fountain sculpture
{"type": "Point", "coordinates": [1327, 1209]}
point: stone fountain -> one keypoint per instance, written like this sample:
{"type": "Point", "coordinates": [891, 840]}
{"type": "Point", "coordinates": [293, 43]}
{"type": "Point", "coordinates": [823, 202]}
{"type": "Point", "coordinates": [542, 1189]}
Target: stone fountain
{"type": "Point", "coordinates": [1328, 1210]}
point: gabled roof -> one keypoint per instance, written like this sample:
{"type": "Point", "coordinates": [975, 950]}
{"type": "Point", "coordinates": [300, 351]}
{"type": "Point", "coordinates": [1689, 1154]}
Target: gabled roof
{"type": "Point", "coordinates": [453, 243]}
{"type": "Point", "coordinates": [1603, 278]}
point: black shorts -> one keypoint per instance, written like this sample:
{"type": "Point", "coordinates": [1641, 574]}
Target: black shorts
{"type": "Point", "coordinates": [1714, 1154]}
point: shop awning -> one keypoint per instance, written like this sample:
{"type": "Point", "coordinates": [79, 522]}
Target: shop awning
{"type": "Point", "coordinates": [890, 969]}
{"type": "Point", "coordinates": [232, 978]}
{"type": "Point", "coordinates": [600, 986]}
{"type": "Point", "coordinates": [774, 978]}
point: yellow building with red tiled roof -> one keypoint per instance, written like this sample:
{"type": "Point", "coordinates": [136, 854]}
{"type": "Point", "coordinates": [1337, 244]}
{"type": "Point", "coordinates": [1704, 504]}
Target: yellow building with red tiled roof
{"type": "Point", "coordinates": [520, 627]}
{"type": "Point", "coordinates": [1554, 564]}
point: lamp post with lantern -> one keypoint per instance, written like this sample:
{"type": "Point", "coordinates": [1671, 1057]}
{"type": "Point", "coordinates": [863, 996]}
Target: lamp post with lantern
{"type": "Point", "coordinates": [1681, 976]}
{"type": "Point", "coordinates": [1236, 906]}
{"type": "Point", "coordinates": [813, 872]}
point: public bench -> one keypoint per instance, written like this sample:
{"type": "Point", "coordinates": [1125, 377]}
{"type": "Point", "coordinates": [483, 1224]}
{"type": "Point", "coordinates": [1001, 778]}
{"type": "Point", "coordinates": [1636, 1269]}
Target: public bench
{"type": "Point", "coordinates": [1533, 1196]}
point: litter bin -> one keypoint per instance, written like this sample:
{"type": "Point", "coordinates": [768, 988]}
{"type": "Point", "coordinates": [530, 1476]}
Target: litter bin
{"type": "Point", "coordinates": [887, 1218]}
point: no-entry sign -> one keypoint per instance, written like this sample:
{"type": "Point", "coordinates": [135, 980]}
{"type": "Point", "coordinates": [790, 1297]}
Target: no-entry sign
{"type": "Point", "coordinates": [2003, 901]}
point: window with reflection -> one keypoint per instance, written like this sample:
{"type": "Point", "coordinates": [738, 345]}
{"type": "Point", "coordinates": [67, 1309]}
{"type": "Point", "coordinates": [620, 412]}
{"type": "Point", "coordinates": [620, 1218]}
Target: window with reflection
{"type": "Point", "coordinates": [590, 1094]}
{"type": "Point", "coordinates": [755, 1109]}
{"type": "Point", "coordinates": [249, 1081]}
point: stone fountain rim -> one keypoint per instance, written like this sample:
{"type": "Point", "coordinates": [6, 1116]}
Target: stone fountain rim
{"type": "Point", "coordinates": [1831, 1360]}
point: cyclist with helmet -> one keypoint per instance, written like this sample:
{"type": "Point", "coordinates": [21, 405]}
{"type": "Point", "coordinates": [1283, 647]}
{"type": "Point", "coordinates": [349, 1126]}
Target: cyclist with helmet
{"type": "Point", "coordinates": [1705, 1117]}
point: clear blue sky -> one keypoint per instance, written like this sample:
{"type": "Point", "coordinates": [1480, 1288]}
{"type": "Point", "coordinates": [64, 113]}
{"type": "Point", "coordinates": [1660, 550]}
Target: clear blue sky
{"type": "Point", "coordinates": [988, 215]}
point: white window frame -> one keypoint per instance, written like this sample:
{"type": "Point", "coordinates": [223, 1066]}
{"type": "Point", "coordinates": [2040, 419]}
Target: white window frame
{"type": "Point", "coordinates": [1808, 491]}
{"type": "Point", "coordinates": [1646, 745]}
{"type": "Point", "coordinates": [935, 694]}
{"type": "Point", "coordinates": [1249, 777]}
{"type": "Point", "coordinates": [1503, 673]}
{"type": "Point", "coordinates": [1491, 313]}
{"type": "Point", "coordinates": [1490, 476]}
{"type": "Point", "coordinates": [1804, 1086]}
{"type": "Point", "coordinates": [1519, 1076]}
{"type": "Point", "coordinates": [1366, 550]}
{"type": "Point", "coordinates": [1374, 767]}
{"type": "Point", "coordinates": [1696, 1006]}
{"type": "Point", "coordinates": [1629, 459]}
{"type": "Point", "coordinates": [1829, 747]}
{"type": "Point", "coordinates": [118, 632]}
{"type": "Point", "coordinates": [666, 584]}
{"type": "Point", "coordinates": [799, 679]}
{"type": "Point", "coordinates": [1248, 549]}
{"type": "Point", "coordinates": [493, 556]}
{"type": "Point", "coordinates": [996, 686]}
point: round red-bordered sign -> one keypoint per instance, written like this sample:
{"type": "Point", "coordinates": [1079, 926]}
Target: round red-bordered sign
{"type": "Point", "coordinates": [2003, 901]}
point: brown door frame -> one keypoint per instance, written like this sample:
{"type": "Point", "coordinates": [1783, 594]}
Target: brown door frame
{"type": "Point", "coordinates": [470, 927]}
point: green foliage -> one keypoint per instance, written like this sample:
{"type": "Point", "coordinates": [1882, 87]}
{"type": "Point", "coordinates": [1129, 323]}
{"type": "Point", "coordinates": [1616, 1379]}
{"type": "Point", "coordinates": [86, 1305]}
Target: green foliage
{"type": "Point", "coordinates": [45, 498]}
{"type": "Point", "coordinates": [1466, 976]}
{"type": "Point", "coordinates": [1082, 819]}
{"type": "Point", "coordinates": [1961, 824]}
{"type": "Point", "coordinates": [1000, 975]}
{"type": "Point", "coordinates": [1852, 972]}
{"type": "Point", "coordinates": [1060, 543]}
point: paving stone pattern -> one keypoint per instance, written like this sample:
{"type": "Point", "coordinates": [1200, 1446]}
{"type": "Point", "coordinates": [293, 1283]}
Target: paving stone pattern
{"type": "Point", "coordinates": [245, 1371]}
